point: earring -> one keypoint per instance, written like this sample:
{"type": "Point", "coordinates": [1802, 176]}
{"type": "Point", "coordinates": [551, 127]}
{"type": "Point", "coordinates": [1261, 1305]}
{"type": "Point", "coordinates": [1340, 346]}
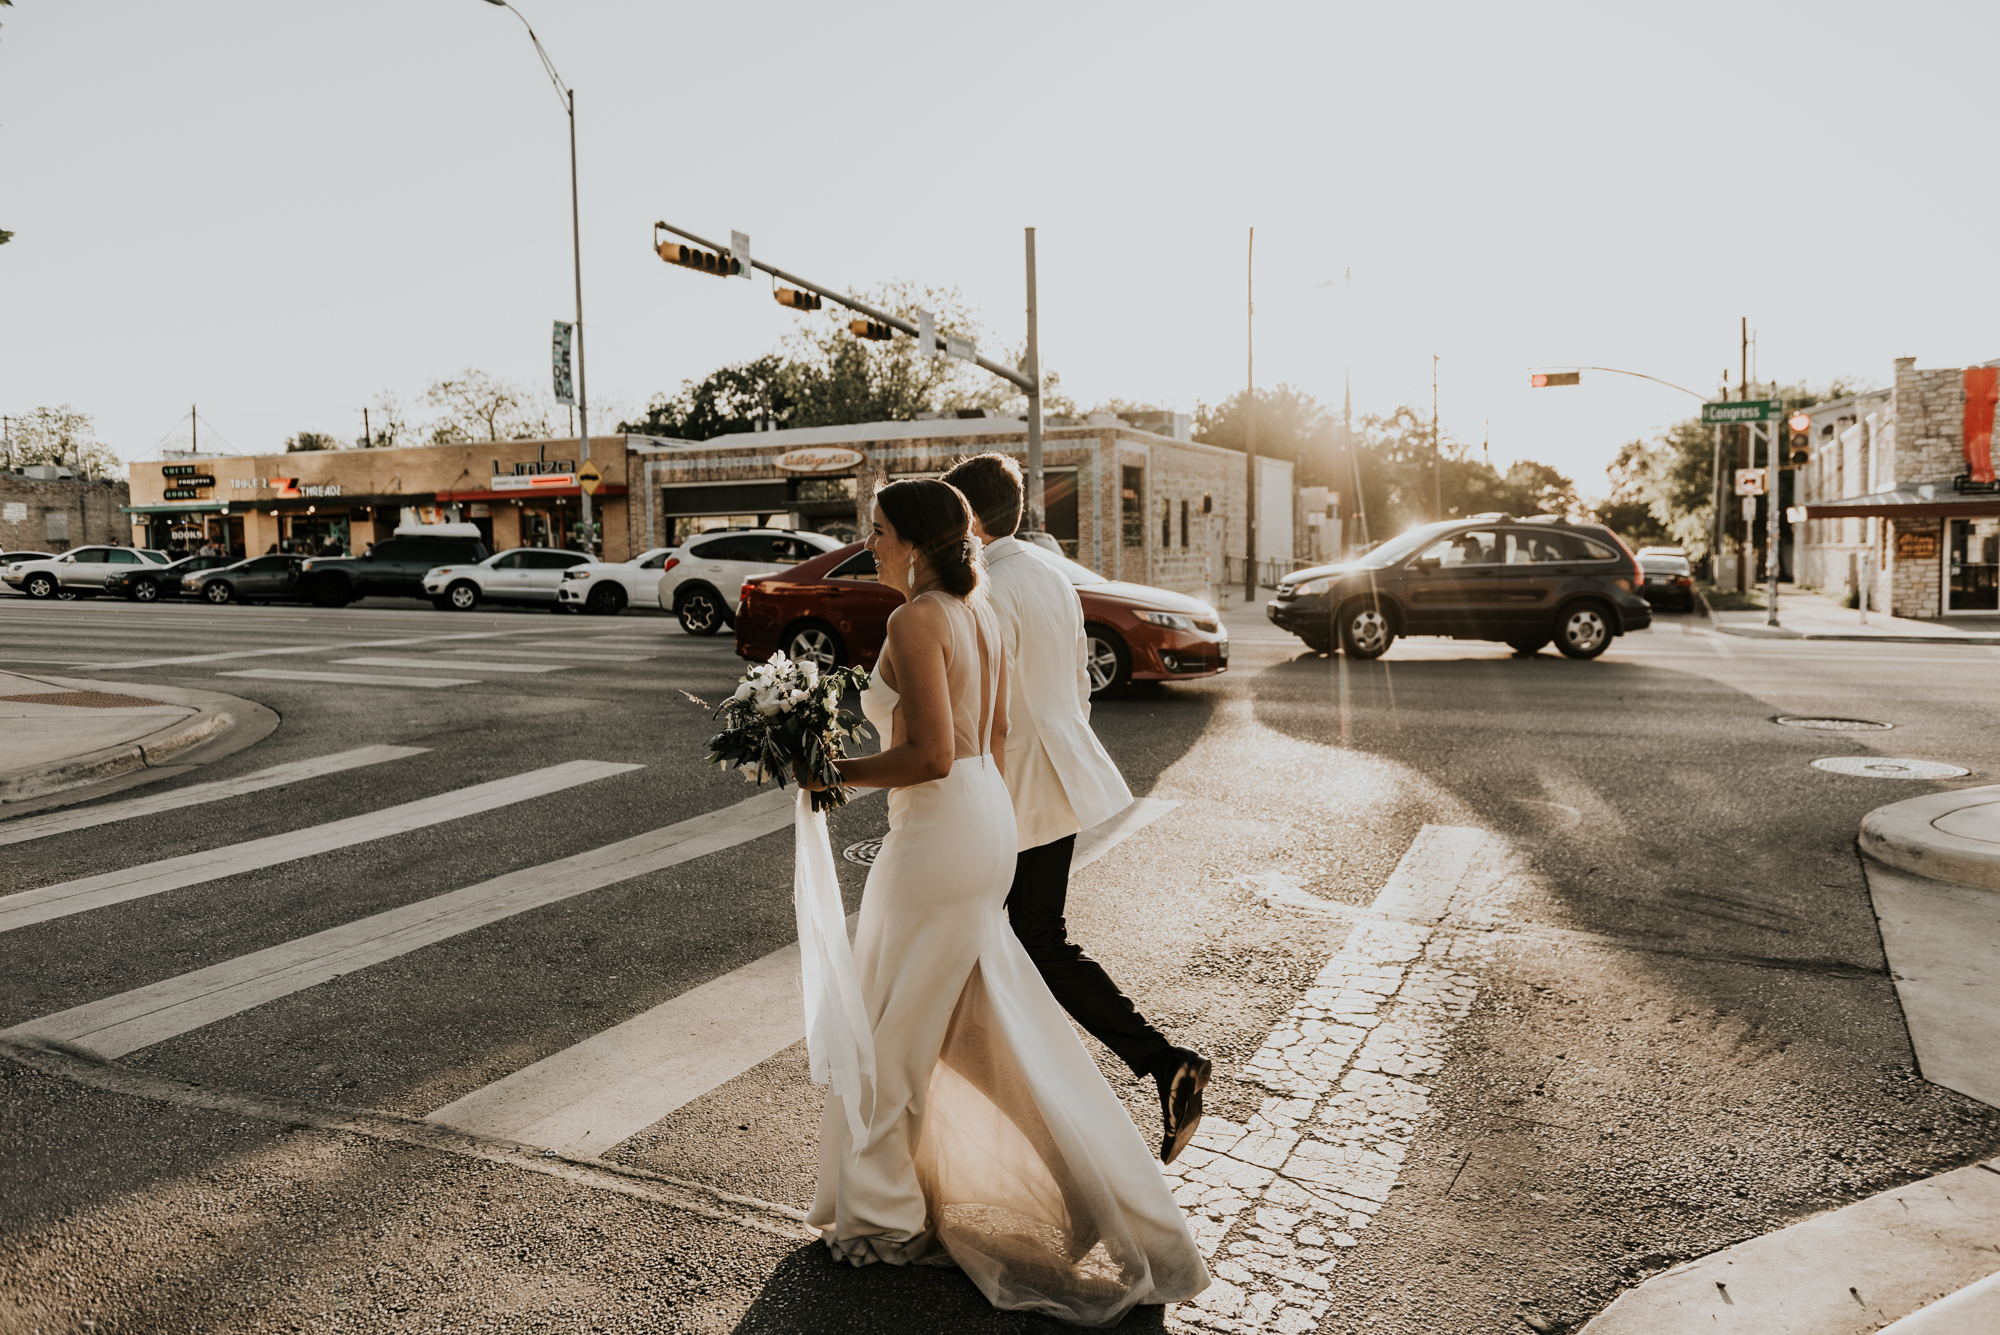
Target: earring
{"type": "Point", "coordinates": [913, 570]}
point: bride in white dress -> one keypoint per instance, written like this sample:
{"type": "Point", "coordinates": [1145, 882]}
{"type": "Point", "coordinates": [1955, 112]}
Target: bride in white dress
{"type": "Point", "coordinates": [986, 1136]}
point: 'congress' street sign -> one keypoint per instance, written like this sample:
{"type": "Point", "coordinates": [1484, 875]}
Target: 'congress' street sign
{"type": "Point", "coordinates": [1748, 410]}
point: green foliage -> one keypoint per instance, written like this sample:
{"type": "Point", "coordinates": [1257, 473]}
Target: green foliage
{"type": "Point", "coordinates": [307, 441]}
{"type": "Point", "coordinates": [62, 436]}
{"type": "Point", "coordinates": [5, 236]}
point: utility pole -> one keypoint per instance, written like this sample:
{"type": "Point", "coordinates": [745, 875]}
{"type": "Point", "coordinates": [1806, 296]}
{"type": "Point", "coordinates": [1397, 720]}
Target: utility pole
{"type": "Point", "coordinates": [1715, 497]}
{"type": "Point", "coordinates": [367, 434]}
{"type": "Point", "coordinates": [1034, 368]}
{"type": "Point", "coordinates": [1250, 428]}
{"type": "Point", "coordinates": [1748, 447]}
{"type": "Point", "coordinates": [1437, 454]}
{"type": "Point", "coordinates": [194, 426]}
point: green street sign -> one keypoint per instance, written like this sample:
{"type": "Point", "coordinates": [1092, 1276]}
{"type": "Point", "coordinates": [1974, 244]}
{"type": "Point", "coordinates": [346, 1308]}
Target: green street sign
{"type": "Point", "coordinates": [1745, 410]}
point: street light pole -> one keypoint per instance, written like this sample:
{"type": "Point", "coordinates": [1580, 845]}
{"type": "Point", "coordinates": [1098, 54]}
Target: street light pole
{"type": "Point", "coordinates": [567, 96]}
{"type": "Point", "coordinates": [1037, 522]}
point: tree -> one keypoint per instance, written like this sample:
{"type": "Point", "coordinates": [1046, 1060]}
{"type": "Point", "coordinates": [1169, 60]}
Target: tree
{"type": "Point", "coordinates": [475, 406]}
{"type": "Point", "coordinates": [1290, 425]}
{"type": "Point", "coordinates": [62, 436]}
{"type": "Point", "coordinates": [308, 441]}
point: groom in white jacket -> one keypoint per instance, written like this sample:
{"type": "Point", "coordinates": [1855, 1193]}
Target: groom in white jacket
{"type": "Point", "coordinates": [1062, 783]}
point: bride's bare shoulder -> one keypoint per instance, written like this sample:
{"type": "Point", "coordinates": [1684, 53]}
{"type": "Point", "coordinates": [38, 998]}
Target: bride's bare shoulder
{"type": "Point", "coordinates": [923, 617]}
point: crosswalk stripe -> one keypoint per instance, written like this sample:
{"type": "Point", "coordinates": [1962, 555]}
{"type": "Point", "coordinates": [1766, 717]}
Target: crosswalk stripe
{"type": "Point", "coordinates": [459, 664]}
{"type": "Point", "coordinates": [567, 655]}
{"type": "Point", "coordinates": [61, 822]}
{"type": "Point", "coordinates": [588, 1097]}
{"type": "Point", "coordinates": [153, 1014]}
{"type": "Point", "coordinates": [354, 678]}
{"type": "Point", "coordinates": [152, 878]}
{"type": "Point", "coordinates": [327, 646]}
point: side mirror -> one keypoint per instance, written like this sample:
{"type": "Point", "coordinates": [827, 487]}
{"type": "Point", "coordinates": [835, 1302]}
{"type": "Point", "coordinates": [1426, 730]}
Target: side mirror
{"type": "Point", "coordinates": [1426, 563]}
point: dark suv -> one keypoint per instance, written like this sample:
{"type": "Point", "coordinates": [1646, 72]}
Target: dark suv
{"type": "Point", "coordinates": [1523, 582]}
{"type": "Point", "coordinates": [391, 569]}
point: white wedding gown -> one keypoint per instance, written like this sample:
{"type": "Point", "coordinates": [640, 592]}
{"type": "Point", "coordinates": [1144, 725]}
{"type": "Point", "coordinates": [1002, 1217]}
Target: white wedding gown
{"type": "Point", "coordinates": [980, 1132]}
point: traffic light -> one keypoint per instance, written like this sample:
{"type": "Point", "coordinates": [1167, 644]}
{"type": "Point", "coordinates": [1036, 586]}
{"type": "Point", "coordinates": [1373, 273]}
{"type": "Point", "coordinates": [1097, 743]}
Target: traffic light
{"type": "Point", "coordinates": [1799, 445]}
{"type": "Point", "coordinates": [868, 329]}
{"type": "Point", "coordinates": [1544, 379]}
{"type": "Point", "coordinates": [796, 299]}
{"type": "Point", "coordinates": [701, 261]}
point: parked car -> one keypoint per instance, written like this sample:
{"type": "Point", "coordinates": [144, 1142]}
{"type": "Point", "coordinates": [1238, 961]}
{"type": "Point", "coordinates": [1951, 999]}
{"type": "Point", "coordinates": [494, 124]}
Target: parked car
{"type": "Point", "coordinates": [261, 579]}
{"type": "Point", "coordinates": [1523, 582]}
{"type": "Point", "coordinates": [394, 568]}
{"type": "Point", "coordinates": [1645, 552]}
{"type": "Point", "coordinates": [145, 584]}
{"type": "Point", "coordinates": [1667, 581]}
{"type": "Point", "coordinates": [79, 573]}
{"type": "Point", "coordinates": [833, 610]}
{"type": "Point", "coordinates": [701, 579]}
{"type": "Point", "coordinates": [521, 575]}
{"type": "Point", "coordinates": [606, 588]}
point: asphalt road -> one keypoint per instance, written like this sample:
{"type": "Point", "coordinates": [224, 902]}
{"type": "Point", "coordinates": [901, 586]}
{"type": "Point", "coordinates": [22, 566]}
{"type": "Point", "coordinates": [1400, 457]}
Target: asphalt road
{"type": "Point", "coordinates": [1654, 1021]}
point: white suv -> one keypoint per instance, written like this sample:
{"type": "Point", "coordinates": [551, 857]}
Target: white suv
{"type": "Point", "coordinates": [703, 576]}
{"type": "Point", "coordinates": [518, 575]}
{"type": "Point", "coordinates": [606, 588]}
{"type": "Point", "coordinates": [78, 573]}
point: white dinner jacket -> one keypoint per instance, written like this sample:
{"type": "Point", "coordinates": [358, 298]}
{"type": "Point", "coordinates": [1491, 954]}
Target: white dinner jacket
{"type": "Point", "coordinates": [1058, 773]}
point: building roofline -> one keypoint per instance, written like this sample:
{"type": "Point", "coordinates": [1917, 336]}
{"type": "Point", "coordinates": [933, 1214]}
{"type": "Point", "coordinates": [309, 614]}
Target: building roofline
{"type": "Point", "coordinates": [943, 428]}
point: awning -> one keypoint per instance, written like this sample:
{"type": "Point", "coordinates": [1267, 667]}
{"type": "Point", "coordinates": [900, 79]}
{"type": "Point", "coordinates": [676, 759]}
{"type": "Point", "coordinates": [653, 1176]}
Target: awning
{"type": "Point", "coordinates": [570, 492]}
{"type": "Point", "coordinates": [1910, 501]}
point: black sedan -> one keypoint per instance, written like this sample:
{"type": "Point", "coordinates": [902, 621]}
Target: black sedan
{"type": "Point", "coordinates": [261, 579]}
{"type": "Point", "coordinates": [1668, 582]}
{"type": "Point", "coordinates": [1523, 582]}
{"type": "Point", "coordinates": [146, 584]}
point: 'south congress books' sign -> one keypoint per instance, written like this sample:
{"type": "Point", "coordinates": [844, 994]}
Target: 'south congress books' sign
{"type": "Point", "coordinates": [819, 459]}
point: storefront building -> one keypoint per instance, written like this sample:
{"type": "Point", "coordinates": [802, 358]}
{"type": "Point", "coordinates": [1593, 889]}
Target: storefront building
{"type": "Point", "coordinates": [519, 493]}
{"type": "Point", "coordinates": [1129, 503]}
{"type": "Point", "coordinates": [1900, 485]}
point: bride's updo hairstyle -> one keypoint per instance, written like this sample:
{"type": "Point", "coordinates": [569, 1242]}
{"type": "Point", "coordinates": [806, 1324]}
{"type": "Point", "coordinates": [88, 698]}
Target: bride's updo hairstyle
{"type": "Point", "coordinates": [933, 517]}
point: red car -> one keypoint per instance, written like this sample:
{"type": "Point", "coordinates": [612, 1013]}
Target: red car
{"type": "Point", "coordinates": [832, 610]}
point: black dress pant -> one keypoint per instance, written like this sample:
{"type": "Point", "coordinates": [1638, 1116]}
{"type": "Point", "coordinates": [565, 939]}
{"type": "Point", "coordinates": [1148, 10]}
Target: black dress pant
{"type": "Point", "coordinates": [1035, 907]}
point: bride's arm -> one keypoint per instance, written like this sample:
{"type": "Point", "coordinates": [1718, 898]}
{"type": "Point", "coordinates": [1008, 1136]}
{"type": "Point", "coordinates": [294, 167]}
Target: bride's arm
{"type": "Point", "coordinates": [916, 645]}
{"type": "Point", "coordinates": [996, 741]}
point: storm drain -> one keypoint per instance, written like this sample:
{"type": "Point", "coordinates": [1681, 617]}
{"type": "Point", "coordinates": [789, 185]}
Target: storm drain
{"type": "Point", "coordinates": [1873, 767]}
{"type": "Point", "coordinates": [1832, 724]}
{"type": "Point", "coordinates": [863, 853]}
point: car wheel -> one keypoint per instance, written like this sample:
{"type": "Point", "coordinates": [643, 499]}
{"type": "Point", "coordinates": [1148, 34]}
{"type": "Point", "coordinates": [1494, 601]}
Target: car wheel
{"type": "Point", "coordinates": [146, 591]}
{"type": "Point", "coordinates": [462, 596]}
{"type": "Point", "coordinates": [700, 611]}
{"type": "Point", "coordinates": [1583, 631]}
{"type": "Point", "coordinates": [1365, 631]}
{"type": "Point", "coordinates": [218, 592]}
{"type": "Point", "coordinates": [330, 593]}
{"type": "Point", "coordinates": [815, 642]}
{"type": "Point", "coordinates": [41, 586]}
{"type": "Point", "coordinates": [1106, 659]}
{"type": "Point", "coordinates": [606, 600]}
{"type": "Point", "coordinates": [1530, 647]}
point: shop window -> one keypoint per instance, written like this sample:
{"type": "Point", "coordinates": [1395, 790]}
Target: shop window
{"type": "Point", "coordinates": [1132, 522]}
{"type": "Point", "coordinates": [1166, 523]}
{"type": "Point", "coordinates": [1184, 519]}
{"type": "Point", "coordinates": [1059, 508]}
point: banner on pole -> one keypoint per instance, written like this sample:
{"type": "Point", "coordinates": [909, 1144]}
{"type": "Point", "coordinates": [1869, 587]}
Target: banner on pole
{"type": "Point", "coordinates": [559, 364]}
{"type": "Point", "coordinates": [926, 334]}
{"type": "Point", "coordinates": [739, 250]}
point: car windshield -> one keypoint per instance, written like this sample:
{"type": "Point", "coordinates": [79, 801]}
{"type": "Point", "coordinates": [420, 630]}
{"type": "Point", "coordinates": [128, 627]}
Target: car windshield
{"type": "Point", "coordinates": [1402, 545]}
{"type": "Point", "coordinates": [1074, 573]}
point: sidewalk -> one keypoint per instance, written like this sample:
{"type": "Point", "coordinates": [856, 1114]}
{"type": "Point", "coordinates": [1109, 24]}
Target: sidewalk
{"type": "Point", "coordinates": [1922, 1259]}
{"type": "Point", "coordinates": [57, 734]}
{"type": "Point", "coordinates": [1804, 615]}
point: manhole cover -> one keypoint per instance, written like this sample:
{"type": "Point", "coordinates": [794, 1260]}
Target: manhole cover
{"type": "Point", "coordinates": [1832, 724]}
{"type": "Point", "coordinates": [863, 853]}
{"type": "Point", "coordinates": [1872, 767]}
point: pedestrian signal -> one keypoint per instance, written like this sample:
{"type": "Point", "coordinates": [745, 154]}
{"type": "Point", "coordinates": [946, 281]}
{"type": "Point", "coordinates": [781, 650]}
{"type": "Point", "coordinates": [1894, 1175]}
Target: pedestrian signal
{"type": "Point", "coordinates": [797, 300]}
{"type": "Point", "coordinates": [701, 261]}
{"type": "Point", "coordinates": [869, 329]}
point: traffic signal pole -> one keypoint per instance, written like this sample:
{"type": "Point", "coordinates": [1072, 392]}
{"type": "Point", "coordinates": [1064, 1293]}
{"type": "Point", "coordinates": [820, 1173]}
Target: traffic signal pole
{"type": "Point", "coordinates": [1029, 384]}
{"type": "Point", "coordinates": [1035, 495]}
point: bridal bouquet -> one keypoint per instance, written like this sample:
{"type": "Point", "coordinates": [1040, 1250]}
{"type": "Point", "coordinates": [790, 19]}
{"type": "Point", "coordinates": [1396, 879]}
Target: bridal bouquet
{"type": "Point", "coordinates": [785, 712]}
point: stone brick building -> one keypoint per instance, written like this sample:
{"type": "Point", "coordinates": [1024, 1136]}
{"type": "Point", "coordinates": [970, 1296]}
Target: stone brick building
{"type": "Point", "coordinates": [1130, 503]}
{"type": "Point", "coordinates": [44, 510]}
{"type": "Point", "coordinates": [1902, 479]}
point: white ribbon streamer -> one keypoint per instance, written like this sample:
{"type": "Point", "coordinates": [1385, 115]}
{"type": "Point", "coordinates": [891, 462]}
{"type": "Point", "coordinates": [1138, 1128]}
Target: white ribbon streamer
{"type": "Point", "coordinates": [838, 1038]}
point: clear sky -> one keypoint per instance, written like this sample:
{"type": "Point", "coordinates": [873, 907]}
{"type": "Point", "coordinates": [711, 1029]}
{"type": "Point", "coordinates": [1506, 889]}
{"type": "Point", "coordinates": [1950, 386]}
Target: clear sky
{"type": "Point", "coordinates": [279, 210]}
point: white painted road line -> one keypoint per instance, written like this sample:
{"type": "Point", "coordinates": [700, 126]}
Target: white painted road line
{"type": "Point", "coordinates": [60, 822]}
{"type": "Point", "coordinates": [564, 654]}
{"type": "Point", "coordinates": [451, 663]}
{"type": "Point", "coordinates": [152, 878]}
{"type": "Point", "coordinates": [354, 678]}
{"type": "Point", "coordinates": [613, 1085]}
{"type": "Point", "coordinates": [144, 1016]}
{"type": "Point", "coordinates": [331, 646]}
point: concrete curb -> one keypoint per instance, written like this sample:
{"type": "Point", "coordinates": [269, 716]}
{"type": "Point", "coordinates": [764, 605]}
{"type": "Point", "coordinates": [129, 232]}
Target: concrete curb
{"type": "Point", "coordinates": [216, 715]}
{"type": "Point", "coordinates": [1905, 835]}
{"type": "Point", "coordinates": [1780, 633]}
